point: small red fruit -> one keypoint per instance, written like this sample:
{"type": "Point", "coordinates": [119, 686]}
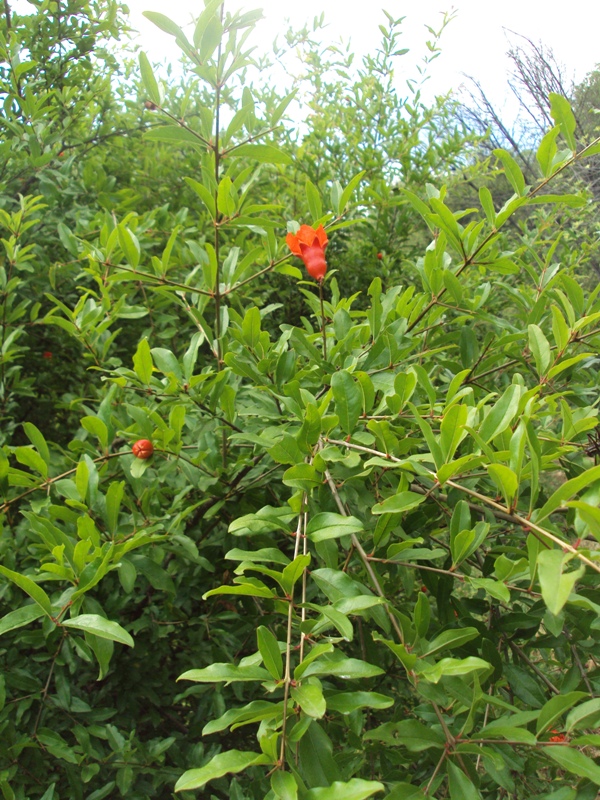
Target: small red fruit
{"type": "Point", "coordinates": [380, 256]}
{"type": "Point", "coordinates": [47, 354]}
{"type": "Point", "coordinates": [143, 448]}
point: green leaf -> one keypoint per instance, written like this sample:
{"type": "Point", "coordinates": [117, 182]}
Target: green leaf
{"type": "Point", "coordinates": [556, 585]}
{"type": "Point", "coordinates": [399, 503]}
{"type": "Point", "coordinates": [232, 761]}
{"type": "Point", "coordinates": [348, 399]}
{"type": "Point", "coordinates": [451, 431]}
{"type": "Point", "coordinates": [506, 480]}
{"type": "Point", "coordinates": [539, 346]}
{"type": "Point", "coordinates": [165, 24]}
{"type": "Point", "coordinates": [314, 201]}
{"type": "Point", "coordinates": [566, 491]}
{"type": "Point", "coordinates": [338, 619]}
{"type": "Point", "coordinates": [347, 193]}
{"type": "Point", "coordinates": [497, 730]}
{"type": "Point", "coordinates": [451, 666]}
{"type": "Point", "coordinates": [226, 203]}
{"type": "Point", "coordinates": [574, 761]}
{"type": "Point", "coordinates": [142, 361]}
{"type": "Point", "coordinates": [148, 79]}
{"type": "Point", "coordinates": [328, 525]}
{"type": "Point", "coordinates": [129, 245]}
{"type": "Point", "coordinates": [31, 588]}
{"type": "Point", "coordinates": [293, 572]}
{"type": "Point", "coordinates": [561, 113]}
{"type": "Point", "coordinates": [269, 650]}
{"type": "Point", "coordinates": [487, 203]}
{"type": "Point", "coordinates": [265, 153]}
{"type": "Point", "coordinates": [36, 437]}
{"type": "Point", "coordinates": [451, 639]}
{"type": "Point", "coordinates": [219, 672]}
{"type": "Point", "coordinates": [302, 476]}
{"type": "Point", "coordinates": [114, 495]}
{"type": "Point", "coordinates": [236, 717]}
{"type": "Point", "coordinates": [502, 414]}
{"type": "Point", "coordinates": [356, 789]}
{"type": "Point", "coordinates": [586, 715]}
{"type": "Point", "coordinates": [546, 152]}
{"type": "Point", "coordinates": [347, 668]}
{"type": "Point", "coordinates": [555, 708]}
{"type": "Point", "coordinates": [460, 786]}
{"type": "Point", "coordinates": [32, 459]}
{"type": "Point", "coordinates": [409, 733]}
{"type": "Point", "coordinates": [174, 134]}
{"type": "Point", "coordinates": [283, 785]}
{"type": "Point", "coordinates": [348, 702]}
{"type": "Point", "coordinates": [246, 589]}
{"type": "Point", "coordinates": [95, 426]}
{"type": "Point", "coordinates": [286, 451]}
{"type": "Point", "coordinates": [20, 617]}
{"type": "Point", "coordinates": [99, 626]}
{"type": "Point", "coordinates": [310, 699]}
{"type": "Point", "coordinates": [512, 171]}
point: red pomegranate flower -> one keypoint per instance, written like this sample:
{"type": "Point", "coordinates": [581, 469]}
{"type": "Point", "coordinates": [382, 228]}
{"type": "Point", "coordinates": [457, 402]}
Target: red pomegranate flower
{"type": "Point", "coordinates": [310, 245]}
{"type": "Point", "coordinates": [143, 448]}
{"type": "Point", "coordinates": [47, 354]}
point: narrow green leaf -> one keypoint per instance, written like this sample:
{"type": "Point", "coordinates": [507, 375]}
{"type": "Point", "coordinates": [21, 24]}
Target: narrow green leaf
{"type": "Point", "coordinates": [150, 83]}
{"type": "Point", "coordinates": [232, 761]}
{"type": "Point", "coordinates": [461, 787]}
{"type": "Point", "coordinates": [451, 639]}
{"type": "Point", "coordinates": [399, 503]}
{"type": "Point", "coordinates": [270, 652]}
{"type": "Point", "coordinates": [31, 588]}
{"type": "Point", "coordinates": [560, 111]}
{"type": "Point", "coordinates": [355, 789]}
{"type": "Point", "coordinates": [587, 715]}
{"type": "Point", "coordinates": [556, 585]}
{"type": "Point", "coordinates": [218, 673]}
{"type": "Point", "coordinates": [574, 761]}
{"type": "Point", "coordinates": [36, 437]}
{"type": "Point", "coordinates": [512, 171]}
{"type": "Point", "coordinates": [99, 626]}
{"type": "Point", "coordinates": [265, 153]}
{"type": "Point", "coordinates": [142, 361]}
{"type": "Point", "coordinates": [553, 710]}
{"type": "Point", "coordinates": [20, 617]}
{"type": "Point", "coordinates": [284, 786]}
{"type": "Point", "coordinates": [502, 414]}
{"type": "Point", "coordinates": [566, 491]}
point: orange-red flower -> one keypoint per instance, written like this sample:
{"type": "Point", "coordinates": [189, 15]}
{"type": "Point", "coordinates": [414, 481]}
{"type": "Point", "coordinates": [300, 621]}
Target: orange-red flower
{"type": "Point", "coordinates": [310, 245]}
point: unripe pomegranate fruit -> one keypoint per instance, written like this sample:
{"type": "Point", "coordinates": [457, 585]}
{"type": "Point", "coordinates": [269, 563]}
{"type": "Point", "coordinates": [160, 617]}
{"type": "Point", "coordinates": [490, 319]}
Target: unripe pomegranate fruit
{"type": "Point", "coordinates": [143, 448]}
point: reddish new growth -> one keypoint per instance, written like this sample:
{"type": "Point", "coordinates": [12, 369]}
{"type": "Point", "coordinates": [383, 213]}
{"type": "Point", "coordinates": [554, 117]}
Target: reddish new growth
{"type": "Point", "coordinates": [310, 245]}
{"type": "Point", "coordinates": [143, 448]}
{"type": "Point", "coordinates": [559, 737]}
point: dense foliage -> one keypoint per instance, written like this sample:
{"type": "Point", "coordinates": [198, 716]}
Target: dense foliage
{"type": "Point", "coordinates": [265, 536]}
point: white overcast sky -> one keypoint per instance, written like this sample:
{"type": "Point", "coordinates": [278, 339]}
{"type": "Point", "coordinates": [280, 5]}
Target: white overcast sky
{"type": "Point", "coordinates": [474, 43]}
